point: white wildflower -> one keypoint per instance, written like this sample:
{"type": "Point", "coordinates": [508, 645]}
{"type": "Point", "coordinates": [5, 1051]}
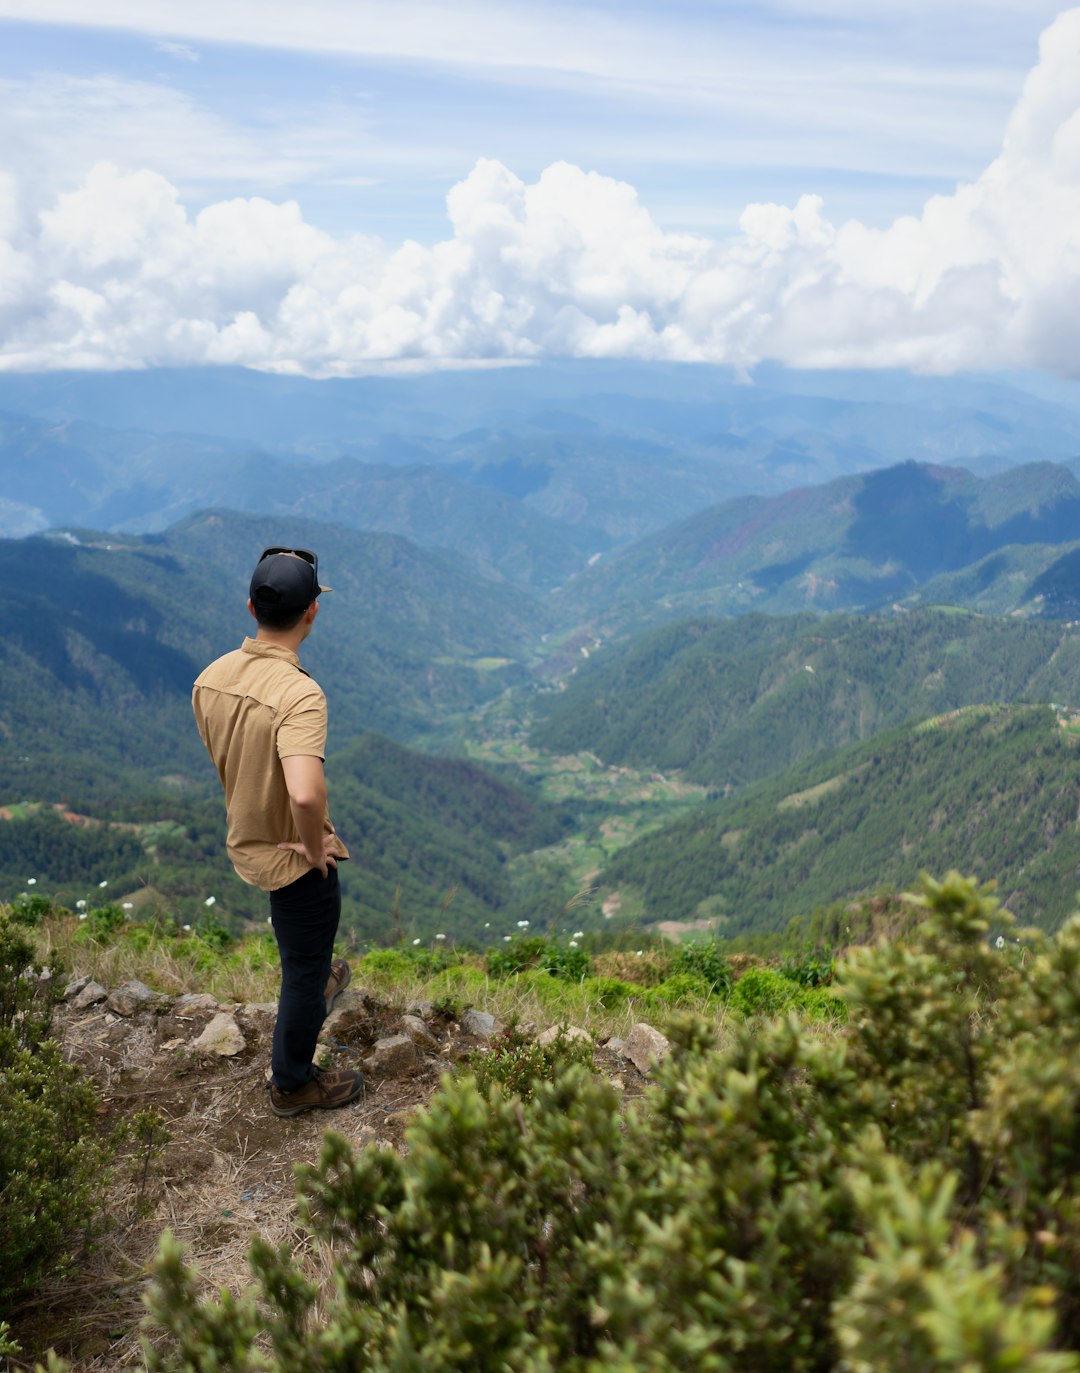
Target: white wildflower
{"type": "Point", "coordinates": [440, 936]}
{"type": "Point", "coordinates": [640, 952]}
{"type": "Point", "coordinates": [573, 943]}
{"type": "Point", "coordinates": [523, 924]}
{"type": "Point", "coordinates": [104, 884]}
{"type": "Point", "coordinates": [80, 905]}
{"type": "Point", "coordinates": [187, 927]}
{"type": "Point", "coordinates": [579, 934]}
{"type": "Point", "coordinates": [31, 881]}
{"type": "Point", "coordinates": [1000, 941]}
{"type": "Point", "coordinates": [82, 915]}
{"type": "Point", "coordinates": [128, 906]}
{"type": "Point", "coordinates": [416, 941]}
{"type": "Point", "coordinates": [210, 901]}
{"type": "Point", "coordinates": [506, 939]}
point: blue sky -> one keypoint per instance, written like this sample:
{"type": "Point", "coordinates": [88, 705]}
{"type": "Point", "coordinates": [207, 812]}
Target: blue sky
{"type": "Point", "coordinates": [366, 115]}
{"type": "Point", "coordinates": [368, 120]}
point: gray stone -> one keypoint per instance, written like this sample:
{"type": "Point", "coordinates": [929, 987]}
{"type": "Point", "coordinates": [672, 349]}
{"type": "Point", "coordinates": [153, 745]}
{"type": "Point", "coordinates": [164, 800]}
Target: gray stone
{"type": "Point", "coordinates": [195, 1003]}
{"type": "Point", "coordinates": [568, 1032]}
{"type": "Point", "coordinates": [222, 1037]}
{"type": "Point", "coordinates": [418, 1032]}
{"type": "Point", "coordinates": [646, 1047]}
{"type": "Point", "coordinates": [73, 988]}
{"type": "Point", "coordinates": [478, 1023]}
{"type": "Point", "coordinates": [616, 1045]}
{"type": "Point", "coordinates": [395, 1054]}
{"type": "Point", "coordinates": [424, 1009]}
{"type": "Point", "coordinates": [90, 995]}
{"type": "Point", "coordinates": [131, 997]}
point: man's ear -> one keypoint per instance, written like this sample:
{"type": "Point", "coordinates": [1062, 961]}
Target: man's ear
{"type": "Point", "coordinates": [311, 612]}
{"type": "Point", "coordinates": [251, 607]}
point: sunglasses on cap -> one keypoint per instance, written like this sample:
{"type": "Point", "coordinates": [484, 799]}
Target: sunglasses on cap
{"type": "Point", "coordinates": [306, 555]}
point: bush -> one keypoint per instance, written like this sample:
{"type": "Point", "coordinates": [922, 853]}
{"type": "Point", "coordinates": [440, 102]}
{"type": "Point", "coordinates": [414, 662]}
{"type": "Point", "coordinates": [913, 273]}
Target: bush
{"type": "Point", "coordinates": [678, 990]}
{"type": "Point", "coordinates": [518, 1063]}
{"type": "Point", "coordinates": [902, 1195]}
{"type": "Point", "coordinates": [707, 962]}
{"type": "Point", "coordinates": [51, 1162]}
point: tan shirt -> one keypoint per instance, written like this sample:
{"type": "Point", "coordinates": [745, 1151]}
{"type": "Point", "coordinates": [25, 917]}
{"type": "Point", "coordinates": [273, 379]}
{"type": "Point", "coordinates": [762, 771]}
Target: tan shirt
{"type": "Point", "coordinates": [254, 707]}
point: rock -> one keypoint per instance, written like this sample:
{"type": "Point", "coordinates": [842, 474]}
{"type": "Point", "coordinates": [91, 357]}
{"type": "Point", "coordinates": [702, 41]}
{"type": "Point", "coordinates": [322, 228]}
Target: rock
{"type": "Point", "coordinates": [646, 1047]}
{"type": "Point", "coordinates": [478, 1023]}
{"type": "Point", "coordinates": [395, 1054]}
{"type": "Point", "coordinates": [568, 1032]}
{"type": "Point", "coordinates": [424, 1009]}
{"type": "Point", "coordinates": [418, 1032]}
{"type": "Point", "coordinates": [72, 990]}
{"type": "Point", "coordinates": [195, 1003]}
{"type": "Point", "coordinates": [90, 995]}
{"type": "Point", "coordinates": [617, 1082]}
{"type": "Point", "coordinates": [616, 1045]}
{"type": "Point", "coordinates": [222, 1037]}
{"type": "Point", "coordinates": [131, 997]}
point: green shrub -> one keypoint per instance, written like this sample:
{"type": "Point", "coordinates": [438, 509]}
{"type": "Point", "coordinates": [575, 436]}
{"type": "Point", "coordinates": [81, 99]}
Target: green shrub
{"type": "Point", "coordinates": [678, 990]}
{"type": "Point", "coordinates": [707, 962]}
{"type": "Point", "coordinates": [810, 968]}
{"type": "Point", "coordinates": [518, 1063]}
{"type": "Point", "coordinates": [763, 991]}
{"type": "Point", "coordinates": [52, 1164]}
{"type": "Point", "coordinates": [608, 992]}
{"type": "Point", "coordinates": [31, 908]}
{"type": "Point", "coordinates": [516, 956]}
{"type": "Point", "coordinates": [901, 1195]}
{"type": "Point", "coordinates": [102, 923]}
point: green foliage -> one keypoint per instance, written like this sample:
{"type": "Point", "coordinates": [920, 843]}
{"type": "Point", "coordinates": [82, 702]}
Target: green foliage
{"type": "Point", "coordinates": [102, 923]}
{"type": "Point", "coordinates": [557, 958]}
{"type": "Point", "coordinates": [901, 1194]}
{"type": "Point", "coordinates": [809, 968]}
{"type": "Point", "coordinates": [30, 908]}
{"type": "Point", "coordinates": [679, 989]}
{"type": "Point", "coordinates": [517, 1062]}
{"type": "Point", "coordinates": [51, 1160]}
{"type": "Point", "coordinates": [707, 962]}
{"type": "Point", "coordinates": [999, 786]}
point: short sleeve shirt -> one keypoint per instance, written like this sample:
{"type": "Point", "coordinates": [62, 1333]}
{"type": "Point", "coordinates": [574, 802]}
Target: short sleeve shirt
{"type": "Point", "coordinates": [254, 707]}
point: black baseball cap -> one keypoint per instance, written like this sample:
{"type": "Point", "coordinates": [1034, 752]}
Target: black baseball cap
{"type": "Point", "coordinates": [286, 579]}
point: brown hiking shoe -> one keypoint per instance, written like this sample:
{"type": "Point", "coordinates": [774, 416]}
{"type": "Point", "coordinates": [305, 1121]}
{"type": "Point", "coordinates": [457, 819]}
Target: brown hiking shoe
{"type": "Point", "coordinates": [330, 1087]}
{"type": "Point", "coordinates": [339, 979]}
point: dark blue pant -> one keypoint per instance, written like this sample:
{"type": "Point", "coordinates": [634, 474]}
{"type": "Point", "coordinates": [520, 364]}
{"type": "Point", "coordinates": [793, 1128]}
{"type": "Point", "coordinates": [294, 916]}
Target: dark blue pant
{"type": "Point", "coordinates": [305, 916]}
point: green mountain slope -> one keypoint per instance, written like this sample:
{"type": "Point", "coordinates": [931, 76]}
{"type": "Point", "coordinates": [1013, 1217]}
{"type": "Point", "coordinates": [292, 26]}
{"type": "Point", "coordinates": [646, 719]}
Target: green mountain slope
{"type": "Point", "coordinates": [990, 790]}
{"type": "Point", "coordinates": [731, 701]}
{"type": "Point", "coordinates": [102, 636]}
{"type": "Point", "coordinates": [854, 543]}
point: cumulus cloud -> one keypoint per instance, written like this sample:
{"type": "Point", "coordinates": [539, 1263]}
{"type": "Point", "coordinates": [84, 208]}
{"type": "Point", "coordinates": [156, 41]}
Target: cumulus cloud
{"type": "Point", "coordinates": [118, 273]}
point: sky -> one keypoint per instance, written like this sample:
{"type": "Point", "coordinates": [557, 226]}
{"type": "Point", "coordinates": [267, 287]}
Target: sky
{"type": "Point", "coordinates": [347, 186]}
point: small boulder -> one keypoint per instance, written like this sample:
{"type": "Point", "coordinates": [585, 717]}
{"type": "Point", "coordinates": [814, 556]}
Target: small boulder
{"type": "Point", "coordinates": [646, 1047]}
{"type": "Point", "coordinates": [568, 1033]}
{"type": "Point", "coordinates": [90, 995]}
{"type": "Point", "coordinates": [195, 1003]}
{"type": "Point", "coordinates": [418, 1032]}
{"type": "Point", "coordinates": [73, 988]}
{"type": "Point", "coordinates": [130, 998]}
{"type": "Point", "coordinates": [222, 1037]}
{"type": "Point", "coordinates": [478, 1023]}
{"type": "Point", "coordinates": [424, 1009]}
{"type": "Point", "coordinates": [395, 1054]}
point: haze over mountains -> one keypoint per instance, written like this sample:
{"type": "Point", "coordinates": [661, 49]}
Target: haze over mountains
{"type": "Point", "coordinates": [539, 549]}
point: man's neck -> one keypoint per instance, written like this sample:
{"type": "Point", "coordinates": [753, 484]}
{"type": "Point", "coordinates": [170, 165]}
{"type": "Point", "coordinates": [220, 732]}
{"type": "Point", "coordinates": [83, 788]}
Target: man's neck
{"type": "Point", "coordinates": [290, 639]}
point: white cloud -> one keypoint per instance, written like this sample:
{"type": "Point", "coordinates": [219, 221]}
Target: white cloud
{"type": "Point", "coordinates": [181, 51]}
{"type": "Point", "coordinates": [120, 273]}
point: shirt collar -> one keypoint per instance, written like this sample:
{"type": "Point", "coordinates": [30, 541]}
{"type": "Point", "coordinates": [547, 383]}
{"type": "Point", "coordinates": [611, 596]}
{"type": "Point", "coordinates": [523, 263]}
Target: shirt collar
{"type": "Point", "coordinates": [262, 649]}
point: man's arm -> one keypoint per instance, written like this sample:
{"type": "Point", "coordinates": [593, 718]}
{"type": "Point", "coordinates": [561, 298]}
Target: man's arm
{"type": "Point", "coordinates": [306, 784]}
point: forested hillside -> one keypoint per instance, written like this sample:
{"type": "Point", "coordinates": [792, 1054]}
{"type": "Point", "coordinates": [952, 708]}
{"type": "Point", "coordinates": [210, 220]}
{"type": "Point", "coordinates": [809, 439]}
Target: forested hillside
{"type": "Point", "coordinates": [731, 701]}
{"type": "Point", "coordinates": [856, 543]}
{"type": "Point", "coordinates": [989, 789]}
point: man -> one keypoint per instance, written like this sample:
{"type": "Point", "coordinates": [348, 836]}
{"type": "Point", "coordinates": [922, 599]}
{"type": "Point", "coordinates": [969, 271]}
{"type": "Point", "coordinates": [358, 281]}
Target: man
{"type": "Point", "coordinates": [263, 721]}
